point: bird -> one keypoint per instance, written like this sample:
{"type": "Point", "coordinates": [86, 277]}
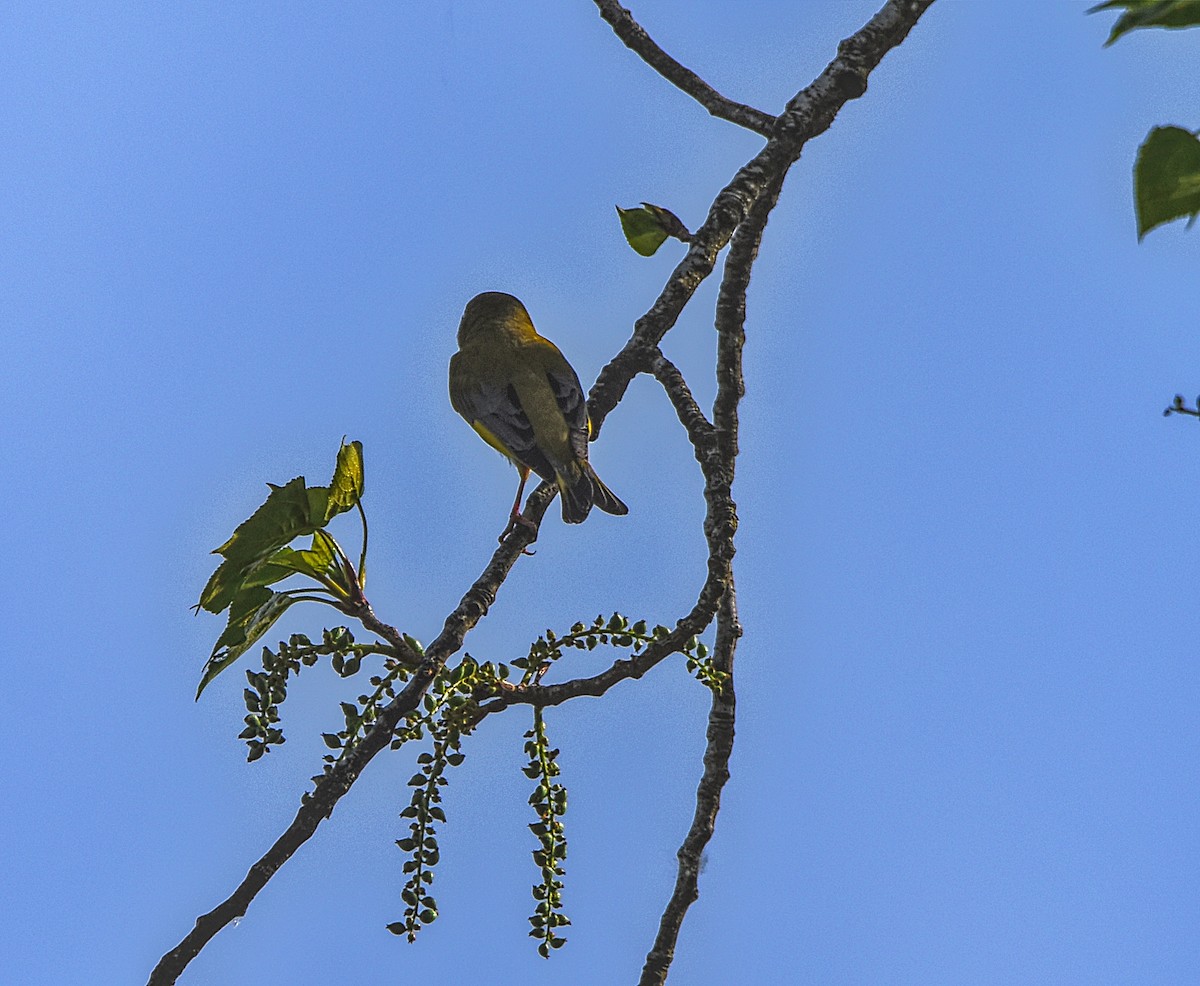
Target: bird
{"type": "Point", "coordinates": [519, 393]}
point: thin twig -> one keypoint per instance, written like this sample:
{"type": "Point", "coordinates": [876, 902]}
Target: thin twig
{"type": "Point", "coordinates": [637, 40]}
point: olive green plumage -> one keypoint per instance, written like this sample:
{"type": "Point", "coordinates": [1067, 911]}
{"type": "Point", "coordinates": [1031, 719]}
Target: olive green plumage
{"type": "Point", "coordinates": [520, 394]}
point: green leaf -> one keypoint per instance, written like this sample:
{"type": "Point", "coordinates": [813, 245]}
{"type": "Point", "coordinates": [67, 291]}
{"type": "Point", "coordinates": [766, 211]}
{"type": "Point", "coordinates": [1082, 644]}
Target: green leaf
{"type": "Point", "coordinates": [290, 511]}
{"type": "Point", "coordinates": [315, 561]}
{"type": "Point", "coordinates": [1166, 178]}
{"type": "Point", "coordinates": [284, 516]}
{"type": "Point", "coordinates": [252, 613]}
{"type": "Point", "coordinates": [1172, 14]}
{"type": "Point", "coordinates": [647, 228]}
{"type": "Point", "coordinates": [346, 487]}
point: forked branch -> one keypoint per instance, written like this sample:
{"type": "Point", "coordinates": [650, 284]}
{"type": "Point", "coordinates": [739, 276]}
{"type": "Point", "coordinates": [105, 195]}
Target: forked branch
{"type": "Point", "coordinates": [741, 208]}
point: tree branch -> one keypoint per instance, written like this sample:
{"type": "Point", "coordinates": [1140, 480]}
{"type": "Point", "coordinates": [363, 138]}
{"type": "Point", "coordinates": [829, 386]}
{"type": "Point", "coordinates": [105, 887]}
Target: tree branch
{"type": "Point", "coordinates": [699, 430]}
{"type": "Point", "coordinates": [731, 337]}
{"type": "Point", "coordinates": [809, 113]}
{"type": "Point", "coordinates": [332, 786]}
{"type": "Point", "coordinates": [752, 192]}
{"type": "Point", "coordinates": [708, 799]}
{"type": "Point", "coordinates": [637, 40]}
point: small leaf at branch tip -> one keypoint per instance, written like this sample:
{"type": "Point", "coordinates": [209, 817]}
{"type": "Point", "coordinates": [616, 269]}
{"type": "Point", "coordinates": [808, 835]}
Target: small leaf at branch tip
{"type": "Point", "coordinates": [646, 228]}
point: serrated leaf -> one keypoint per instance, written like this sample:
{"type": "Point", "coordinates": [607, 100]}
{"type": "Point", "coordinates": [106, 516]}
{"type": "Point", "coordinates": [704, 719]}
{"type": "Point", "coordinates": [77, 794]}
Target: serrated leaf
{"type": "Point", "coordinates": [252, 613]}
{"type": "Point", "coordinates": [1171, 14]}
{"type": "Point", "coordinates": [1166, 178]}
{"type": "Point", "coordinates": [282, 517]}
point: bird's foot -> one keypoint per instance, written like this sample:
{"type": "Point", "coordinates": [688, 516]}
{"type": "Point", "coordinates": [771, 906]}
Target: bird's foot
{"type": "Point", "coordinates": [515, 520]}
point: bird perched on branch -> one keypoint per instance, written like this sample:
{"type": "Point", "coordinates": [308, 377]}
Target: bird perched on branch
{"type": "Point", "coordinates": [520, 394]}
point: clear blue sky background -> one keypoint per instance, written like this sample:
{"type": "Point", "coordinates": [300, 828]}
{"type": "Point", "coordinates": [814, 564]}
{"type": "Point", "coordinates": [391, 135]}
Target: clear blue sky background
{"type": "Point", "coordinates": [967, 748]}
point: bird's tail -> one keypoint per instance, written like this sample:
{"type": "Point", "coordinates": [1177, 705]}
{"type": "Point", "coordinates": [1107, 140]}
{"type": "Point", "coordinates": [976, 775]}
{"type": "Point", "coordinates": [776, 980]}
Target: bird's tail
{"type": "Point", "coordinates": [575, 488]}
{"type": "Point", "coordinates": [581, 489]}
{"type": "Point", "coordinates": [603, 497]}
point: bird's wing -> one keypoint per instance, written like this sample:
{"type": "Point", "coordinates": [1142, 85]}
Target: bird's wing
{"type": "Point", "coordinates": [568, 394]}
{"type": "Point", "coordinates": [494, 410]}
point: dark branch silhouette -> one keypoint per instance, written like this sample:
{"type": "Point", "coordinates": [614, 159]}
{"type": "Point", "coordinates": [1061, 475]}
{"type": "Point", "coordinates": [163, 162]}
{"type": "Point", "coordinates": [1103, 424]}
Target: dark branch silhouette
{"type": "Point", "coordinates": [738, 213]}
{"type": "Point", "coordinates": [731, 337]}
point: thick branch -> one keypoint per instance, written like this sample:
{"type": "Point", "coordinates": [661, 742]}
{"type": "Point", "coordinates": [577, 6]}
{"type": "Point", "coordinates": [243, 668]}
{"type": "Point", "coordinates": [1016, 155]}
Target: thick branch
{"type": "Point", "coordinates": [708, 799]}
{"type": "Point", "coordinates": [731, 337]}
{"type": "Point", "coordinates": [638, 41]}
{"type": "Point", "coordinates": [697, 426]}
{"type": "Point", "coordinates": [808, 114]}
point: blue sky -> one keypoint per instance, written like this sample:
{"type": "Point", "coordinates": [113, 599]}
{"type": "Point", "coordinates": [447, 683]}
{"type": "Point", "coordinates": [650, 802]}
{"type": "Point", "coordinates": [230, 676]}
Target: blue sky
{"type": "Point", "coordinates": [968, 688]}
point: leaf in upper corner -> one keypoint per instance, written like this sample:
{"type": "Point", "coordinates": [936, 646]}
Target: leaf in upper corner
{"type": "Point", "coordinates": [346, 487]}
{"type": "Point", "coordinates": [1166, 178]}
{"type": "Point", "coordinates": [252, 613]}
{"type": "Point", "coordinates": [647, 228]}
{"type": "Point", "coordinates": [1172, 14]}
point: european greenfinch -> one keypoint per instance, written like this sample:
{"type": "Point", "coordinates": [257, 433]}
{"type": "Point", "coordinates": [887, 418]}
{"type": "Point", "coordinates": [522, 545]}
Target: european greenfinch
{"type": "Point", "coordinates": [520, 394]}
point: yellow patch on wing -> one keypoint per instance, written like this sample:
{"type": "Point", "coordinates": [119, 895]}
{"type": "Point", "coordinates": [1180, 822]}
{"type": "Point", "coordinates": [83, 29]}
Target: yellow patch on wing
{"type": "Point", "coordinates": [493, 441]}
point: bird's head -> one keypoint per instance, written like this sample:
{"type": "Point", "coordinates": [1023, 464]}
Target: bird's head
{"type": "Point", "coordinates": [493, 311]}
